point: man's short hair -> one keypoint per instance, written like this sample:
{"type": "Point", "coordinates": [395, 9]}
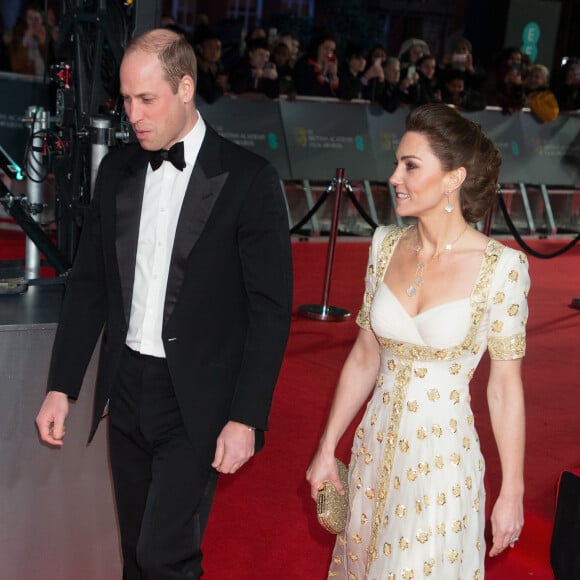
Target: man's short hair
{"type": "Point", "coordinates": [173, 50]}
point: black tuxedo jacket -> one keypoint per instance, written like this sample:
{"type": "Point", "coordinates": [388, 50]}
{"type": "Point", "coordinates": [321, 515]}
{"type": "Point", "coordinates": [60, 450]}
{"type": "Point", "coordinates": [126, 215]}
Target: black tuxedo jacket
{"type": "Point", "coordinates": [229, 293]}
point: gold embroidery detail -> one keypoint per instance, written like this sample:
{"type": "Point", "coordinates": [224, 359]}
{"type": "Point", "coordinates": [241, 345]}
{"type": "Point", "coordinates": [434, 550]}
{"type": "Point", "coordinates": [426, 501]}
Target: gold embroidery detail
{"type": "Point", "coordinates": [467, 443]}
{"type": "Point", "coordinates": [428, 567]}
{"type": "Point", "coordinates": [453, 425]}
{"type": "Point", "coordinates": [402, 380]}
{"type": "Point", "coordinates": [437, 430]}
{"type": "Point", "coordinates": [420, 373]}
{"type": "Point", "coordinates": [499, 297]}
{"type": "Point", "coordinates": [440, 528]}
{"type": "Point", "coordinates": [441, 498]}
{"type": "Point", "coordinates": [400, 511]}
{"type": "Point", "coordinates": [387, 549]}
{"type": "Point", "coordinates": [438, 461]}
{"type": "Point", "coordinates": [508, 347]}
{"type": "Point", "coordinates": [422, 536]}
{"type": "Point", "coordinates": [391, 365]}
{"type": "Point", "coordinates": [397, 483]}
{"type": "Point", "coordinates": [404, 445]}
{"type": "Point", "coordinates": [514, 276]}
{"type": "Point", "coordinates": [433, 394]}
{"type": "Point", "coordinates": [421, 433]}
{"type": "Point", "coordinates": [497, 326]}
{"type": "Point", "coordinates": [360, 432]}
{"type": "Point", "coordinates": [453, 556]}
{"type": "Point", "coordinates": [513, 309]}
{"type": "Point", "coordinates": [408, 574]}
{"type": "Point", "coordinates": [454, 396]}
{"type": "Point", "coordinates": [456, 490]}
{"type": "Point", "coordinates": [424, 468]}
{"type": "Point", "coordinates": [413, 406]}
{"type": "Point", "coordinates": [404, 544]}
{"type": "Point", "coordinates": [455, 368]}
{"type": "Point", "coordinates": [411, 474]}
{"type": "Point", "coordinates": [457, 526]}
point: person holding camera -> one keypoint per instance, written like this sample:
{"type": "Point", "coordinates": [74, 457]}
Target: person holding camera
{"type": "Point", "coordinates": [316, 73]}
{"type": "Point", "coordinates": [460, 59]}
{"type": "Point", "coordinates": [255, 73]}
{"type": "Point", "coordinates": [508, 92]}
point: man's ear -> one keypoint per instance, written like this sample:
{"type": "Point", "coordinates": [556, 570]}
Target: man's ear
{"type": "Point", "coordinates": [187, 88]}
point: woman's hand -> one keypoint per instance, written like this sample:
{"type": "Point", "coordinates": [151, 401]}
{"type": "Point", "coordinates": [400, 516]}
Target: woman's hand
{"type": "Point", "coordinates": [507, 521]}
{"type": "Point", "coordinates": [323, 468]}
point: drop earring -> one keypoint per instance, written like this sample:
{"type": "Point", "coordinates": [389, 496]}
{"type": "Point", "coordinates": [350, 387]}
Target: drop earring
{"type": "Point", "coordinates": [448, 207]}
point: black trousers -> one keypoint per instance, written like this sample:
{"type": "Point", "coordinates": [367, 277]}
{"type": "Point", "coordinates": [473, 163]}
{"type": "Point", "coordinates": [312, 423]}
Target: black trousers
{"type": "Point", "coordinates": [164, 485]}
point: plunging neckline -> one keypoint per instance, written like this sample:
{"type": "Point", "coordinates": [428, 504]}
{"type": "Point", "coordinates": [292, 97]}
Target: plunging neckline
{"type": "Point", "coordinates": [469, 297]}
{"type": "Point", "coordinates": [431, 308]}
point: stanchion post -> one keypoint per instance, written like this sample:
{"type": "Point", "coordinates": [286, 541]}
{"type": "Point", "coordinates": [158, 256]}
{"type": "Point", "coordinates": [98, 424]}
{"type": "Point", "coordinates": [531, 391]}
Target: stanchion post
{"type": "Point", "coordinates": [324, 311]}
{"type": "Point", "coordinates": [34, 186]}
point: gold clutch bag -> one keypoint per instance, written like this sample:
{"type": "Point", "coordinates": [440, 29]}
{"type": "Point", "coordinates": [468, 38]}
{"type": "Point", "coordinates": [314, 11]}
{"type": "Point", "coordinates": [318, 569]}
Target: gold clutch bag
{"type": "Point", "coordinates": [331, 507]}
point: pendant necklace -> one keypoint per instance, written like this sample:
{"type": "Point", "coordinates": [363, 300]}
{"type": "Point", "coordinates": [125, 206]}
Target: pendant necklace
{"type": "Point", "coordinates": [418, 280]}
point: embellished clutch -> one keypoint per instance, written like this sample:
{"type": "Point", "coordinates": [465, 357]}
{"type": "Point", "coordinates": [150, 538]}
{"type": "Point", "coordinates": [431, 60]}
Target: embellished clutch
{"type": "Point", "coordinates": [331, 507]}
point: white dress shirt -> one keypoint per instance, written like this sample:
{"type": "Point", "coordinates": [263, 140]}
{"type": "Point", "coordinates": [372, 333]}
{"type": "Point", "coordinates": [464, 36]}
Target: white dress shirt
{"type": "Point", "coordinates": [162, 200]}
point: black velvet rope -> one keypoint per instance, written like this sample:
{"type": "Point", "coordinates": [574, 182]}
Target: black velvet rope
{"type": "Point", "coordinates": [522, 243]}
{"type": "Point", "coordinates": [314, 209]}
{"type": "Point", "coordinates": [365, 216]}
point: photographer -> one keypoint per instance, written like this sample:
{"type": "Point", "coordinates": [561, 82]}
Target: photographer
{"type": "Point", "coordinates": [255, 73]}
{"type": "Point", "coordinates": [316, 73]}
{"type": "Point", "coordinates": [460, 59]}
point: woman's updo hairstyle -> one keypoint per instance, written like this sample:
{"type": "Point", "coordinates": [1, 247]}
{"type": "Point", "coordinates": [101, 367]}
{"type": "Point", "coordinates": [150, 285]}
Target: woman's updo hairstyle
{"type": "Point", "coordinates": [459, 142]}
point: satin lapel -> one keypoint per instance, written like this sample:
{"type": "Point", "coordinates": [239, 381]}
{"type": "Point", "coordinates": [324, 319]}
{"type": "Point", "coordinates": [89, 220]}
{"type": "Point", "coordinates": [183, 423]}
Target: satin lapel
{"type": "Point", "coordinates": [200, 197]}
{"type": "Point", "coordinates": [129, 200]}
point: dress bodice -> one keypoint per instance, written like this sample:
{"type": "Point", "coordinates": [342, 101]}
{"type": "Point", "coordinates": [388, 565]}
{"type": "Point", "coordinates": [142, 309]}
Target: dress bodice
{"type": "Point", "coordinates": [443, 326]}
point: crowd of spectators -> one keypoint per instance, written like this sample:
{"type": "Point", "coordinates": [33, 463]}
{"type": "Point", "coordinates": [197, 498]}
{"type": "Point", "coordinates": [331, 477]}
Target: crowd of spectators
{"type": "Point", "coordinates": [274, 65]}
{"type": "Point", "coordinates": [279, 65]}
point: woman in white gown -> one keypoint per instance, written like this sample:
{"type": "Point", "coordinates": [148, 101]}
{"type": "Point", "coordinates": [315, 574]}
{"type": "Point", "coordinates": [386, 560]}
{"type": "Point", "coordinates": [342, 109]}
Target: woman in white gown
{"type": "Point", "coordinates": [437, 295]}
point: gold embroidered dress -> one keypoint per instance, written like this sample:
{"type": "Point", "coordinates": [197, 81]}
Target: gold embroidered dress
{"type": "Point", "coordinates": [416, 471]}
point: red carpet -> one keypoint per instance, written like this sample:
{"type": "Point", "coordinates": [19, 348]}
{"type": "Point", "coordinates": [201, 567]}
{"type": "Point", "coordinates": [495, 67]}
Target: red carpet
{"type": "Point", "coordinates": [263, 524]}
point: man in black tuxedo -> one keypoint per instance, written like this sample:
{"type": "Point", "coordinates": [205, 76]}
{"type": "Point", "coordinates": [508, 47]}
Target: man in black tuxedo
{"type": "Point", "coordinates": [185, 267]}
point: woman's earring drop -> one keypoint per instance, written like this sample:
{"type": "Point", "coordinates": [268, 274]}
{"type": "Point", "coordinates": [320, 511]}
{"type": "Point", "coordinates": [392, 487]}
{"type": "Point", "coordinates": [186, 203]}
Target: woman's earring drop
{"type": "Point", "coordinates": [448, 207]}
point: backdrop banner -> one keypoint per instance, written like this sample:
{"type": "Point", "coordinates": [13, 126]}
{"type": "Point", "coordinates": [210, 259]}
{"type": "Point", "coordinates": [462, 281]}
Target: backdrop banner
{"type": "Point", "coordinates": [252, 123]}
{"type": "Point", "coordinates": [323, 136]}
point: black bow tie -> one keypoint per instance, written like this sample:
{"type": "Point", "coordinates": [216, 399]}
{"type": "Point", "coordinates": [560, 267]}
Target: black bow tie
{"type": "Point", "coordinates": [175, 155]}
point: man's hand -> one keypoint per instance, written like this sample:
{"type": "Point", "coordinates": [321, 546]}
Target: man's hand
{"type": "Point", "coordinates": [51, 417]}
{"type": "Point", "coordinates": [235, 445]}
